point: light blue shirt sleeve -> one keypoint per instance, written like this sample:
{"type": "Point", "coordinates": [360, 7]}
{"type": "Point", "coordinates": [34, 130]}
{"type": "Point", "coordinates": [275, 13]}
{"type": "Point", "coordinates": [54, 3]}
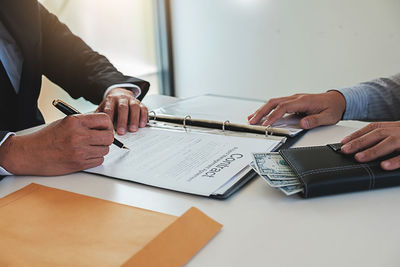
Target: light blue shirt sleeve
{"type": "Point", "coordinates": [376, 100]}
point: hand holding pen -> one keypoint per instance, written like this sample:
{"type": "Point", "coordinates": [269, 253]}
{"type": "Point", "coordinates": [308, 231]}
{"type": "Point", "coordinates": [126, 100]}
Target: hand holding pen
{"type": "Point", "coordinates": [68, 110]}
{"type": "Point", "coordinates": [72, 144]}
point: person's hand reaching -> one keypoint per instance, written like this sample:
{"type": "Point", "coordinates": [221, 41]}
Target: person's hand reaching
{"type": "Point", "coordinates": [373, 141]}
{"type": "Point", "coordinates": [319, 109]}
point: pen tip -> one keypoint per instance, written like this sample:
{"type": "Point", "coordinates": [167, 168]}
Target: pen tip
{"type": "Point", "coordinates": [125, 147]}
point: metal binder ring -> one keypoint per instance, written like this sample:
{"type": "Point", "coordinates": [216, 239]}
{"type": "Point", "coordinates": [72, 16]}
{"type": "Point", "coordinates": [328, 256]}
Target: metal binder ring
{"type": "Point", "coordinates": [268, 130]}
{"type": "Point", "coordinates": [154, 114]}
{"type": "Point", "coordinates": [223, 125]}
{"type": "Point", "coordinates": [184, 120]}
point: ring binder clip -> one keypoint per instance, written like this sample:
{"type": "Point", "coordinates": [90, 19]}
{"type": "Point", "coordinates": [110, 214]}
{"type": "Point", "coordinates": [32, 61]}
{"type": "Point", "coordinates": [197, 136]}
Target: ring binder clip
{"type": "Point", "coordinates": [223, 125]}
{"type": "Point", "coordinates": [267, 130]}
{"type": "Point", "coordinates": [154, 114]}
{"type": "Point", "coordinates": [184, 120]}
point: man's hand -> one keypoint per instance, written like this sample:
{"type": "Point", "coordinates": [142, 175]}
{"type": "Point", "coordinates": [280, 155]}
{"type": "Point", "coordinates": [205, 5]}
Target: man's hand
{"type": "Point", "coordinates": [373, 141]}
{"type": "Point", "coordinates": [72, 144]}
{"type": "Point", "coordinates": [122, 106]}
{"type": "Point", "coordinates": [321, 109]}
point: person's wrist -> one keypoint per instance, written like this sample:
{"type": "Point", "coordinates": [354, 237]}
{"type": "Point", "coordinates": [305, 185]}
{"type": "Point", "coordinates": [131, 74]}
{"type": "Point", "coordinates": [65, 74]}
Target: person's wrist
{"type": "Point", "coordinates": [120, 90]}
{"type": "Point", "coordinates": [8, 157]}
{"type": "Point", "coordinates": [338, 100]}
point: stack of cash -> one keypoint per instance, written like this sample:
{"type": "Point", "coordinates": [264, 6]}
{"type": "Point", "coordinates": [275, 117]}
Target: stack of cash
{"type": "Point", "coordinates": [275, 171]}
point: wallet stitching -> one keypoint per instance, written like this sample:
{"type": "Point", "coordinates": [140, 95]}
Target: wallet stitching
{"type": "Point", "coordinates": [372, 176]}
{"type": "Point", "coordinates": [361, 166]}
{"type": "Point", "coordinates": [333, 169]}
{"type": "Point", "coordinates": [308, 148]}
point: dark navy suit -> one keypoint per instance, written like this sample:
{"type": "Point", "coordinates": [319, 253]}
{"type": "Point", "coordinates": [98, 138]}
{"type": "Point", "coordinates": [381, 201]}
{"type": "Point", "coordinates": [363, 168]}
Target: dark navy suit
{"type": "Point", "coordinates": [49, 48]}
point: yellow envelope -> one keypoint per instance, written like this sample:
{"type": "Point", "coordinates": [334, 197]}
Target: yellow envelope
{"type": "Point", "coordinates": [43, 226]}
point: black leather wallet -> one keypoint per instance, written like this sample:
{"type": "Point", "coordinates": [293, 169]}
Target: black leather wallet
{"type": "Point", "coordinates": [325, 170]}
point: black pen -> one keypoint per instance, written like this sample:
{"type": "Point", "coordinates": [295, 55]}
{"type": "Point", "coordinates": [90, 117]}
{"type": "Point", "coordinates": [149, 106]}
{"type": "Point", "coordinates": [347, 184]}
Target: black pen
{"type": "Point", "coordinates": [68, 110]}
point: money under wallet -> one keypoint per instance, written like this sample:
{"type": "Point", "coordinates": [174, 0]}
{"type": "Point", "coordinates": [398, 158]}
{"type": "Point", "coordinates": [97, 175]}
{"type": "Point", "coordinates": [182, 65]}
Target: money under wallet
{"type": "Point", "coordinates": [325, 170]}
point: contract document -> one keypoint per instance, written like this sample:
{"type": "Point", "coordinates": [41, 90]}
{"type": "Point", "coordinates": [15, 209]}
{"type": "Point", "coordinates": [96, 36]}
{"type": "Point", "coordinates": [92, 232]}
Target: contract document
{"type": "Point", "coordinates": [183, 159]}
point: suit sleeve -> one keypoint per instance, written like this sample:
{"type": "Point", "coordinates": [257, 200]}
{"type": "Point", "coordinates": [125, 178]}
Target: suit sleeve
{"type": "Point", "coordinates": [3, 136]}
{"type": "Point", "coordinates": [69, 62]}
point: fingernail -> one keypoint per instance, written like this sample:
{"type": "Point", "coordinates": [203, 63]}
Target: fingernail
{"type": "Point", "coordinates": [345, 148]}
{"type": "Point", "coordinates": [133, 128]}
{"type": "Point", "coordinates": [307, 124]}
{"type": "Point", "coordinates": [386, 164]}
{"type": "Point", "coordinates": [360, 156]}
{"type": "Point", "coordinates": [121, 130]}
{"type": "Point", "coordinates": [142, 124]}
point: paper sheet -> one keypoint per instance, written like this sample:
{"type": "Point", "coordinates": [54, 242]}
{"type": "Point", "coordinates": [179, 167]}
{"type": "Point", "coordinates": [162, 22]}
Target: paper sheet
{"type": "Point", "coordinates": [192, 162]}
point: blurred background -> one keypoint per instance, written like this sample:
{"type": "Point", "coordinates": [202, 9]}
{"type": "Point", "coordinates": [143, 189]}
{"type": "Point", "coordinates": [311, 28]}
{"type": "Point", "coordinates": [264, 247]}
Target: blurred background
{"type": "Point", "coordinates": [247, 48]}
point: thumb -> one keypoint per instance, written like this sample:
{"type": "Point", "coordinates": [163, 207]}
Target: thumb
{"type": "Point", "coordinates": [314, 120]}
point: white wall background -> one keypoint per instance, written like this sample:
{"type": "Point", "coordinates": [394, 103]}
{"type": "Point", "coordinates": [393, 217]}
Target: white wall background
{"type": "Point", "coordinates": [268, 48]}
{"type": "Point", "coordinates": [123, 30]}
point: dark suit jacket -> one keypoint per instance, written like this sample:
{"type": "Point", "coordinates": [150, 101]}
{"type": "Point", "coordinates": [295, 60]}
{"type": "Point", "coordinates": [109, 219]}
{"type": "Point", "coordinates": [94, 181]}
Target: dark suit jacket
{"type": "Point", "coordinates": [49, 48]}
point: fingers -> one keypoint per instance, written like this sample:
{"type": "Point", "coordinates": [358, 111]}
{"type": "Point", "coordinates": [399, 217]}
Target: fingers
{"type": "Point", "coordinates": [121, 105]}
{"type": "Point", "coordinates": [108, 107]}
{"type": "Point", "coordinates": [366, 140]}
{"type": "Point", "coordinates": [391, 164]}
{"type": "Point", "coordinates": [88, 157]}
{"type": "Point", "coordinates": [266, 109]}
{"type": "Point", "coordinates": [144, 116]}
{"type": "Point", "coordinates": [374, 141]}
{"type": "Point", "coordinates": [370, 127]}
{"type": "Point", "coordinates": [383, 148]}
{"type": "Point", "coordinates": [138, 116]}
{"type": "Point", "coordinates": [99, 121]}
{"type": "Point", "coordinates": [100, 138]}
{"type": "Point", "coordinates": [91, 163]}
{"type": "Point", "coordinates": [328, 108]}
{"type": "Point", "coordinates": [313, 121]}
{"type": "Point", "coordinates": [97, 152]}
{"type": "Point", "coordinates": [134, 116]}
{"type": "Point", "coordinates": [291, 106]}
{"type": "Point", "coordinates": [122, 115]}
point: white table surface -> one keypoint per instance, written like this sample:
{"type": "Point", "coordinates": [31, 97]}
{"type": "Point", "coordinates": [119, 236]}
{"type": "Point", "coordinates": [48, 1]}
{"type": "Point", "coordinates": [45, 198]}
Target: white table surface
{"type": "Point", "coordinates": [263, 227]}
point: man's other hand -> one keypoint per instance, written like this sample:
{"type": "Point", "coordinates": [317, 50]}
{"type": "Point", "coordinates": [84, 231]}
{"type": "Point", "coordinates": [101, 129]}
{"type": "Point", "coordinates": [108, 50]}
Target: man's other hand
{"type": "Point", "coordinates": [320, 109]}
{"type": "Point", "coordinates": [123, 108]}
{"type": "Point", "coordinates": [75, 143]}
{"type": "Point", "coordinates": [373, 141]}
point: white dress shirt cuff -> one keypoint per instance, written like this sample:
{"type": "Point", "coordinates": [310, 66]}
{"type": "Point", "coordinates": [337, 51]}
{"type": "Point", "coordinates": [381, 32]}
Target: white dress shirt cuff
{"type": "Point", "coordinates": [134, 88]}
{"type": "Point", "coordinates": [3, 171]}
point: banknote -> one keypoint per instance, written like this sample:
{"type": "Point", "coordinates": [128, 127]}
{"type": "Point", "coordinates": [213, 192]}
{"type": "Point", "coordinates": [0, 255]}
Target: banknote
{"type": "Point", "coordinates": [273, 165]}
{"type": "Point", "coordinates": [280, 183]}
{"type": "Point", "coordinates": [275, 171]}
{"type": "Point", "coordinates": [291, 189]}
{"type": "Point", "coordinates": [276, 183]}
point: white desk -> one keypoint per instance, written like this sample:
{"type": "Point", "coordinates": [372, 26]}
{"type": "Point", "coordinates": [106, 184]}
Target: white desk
{"type": "Point", "coordinates": [262, 227]}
